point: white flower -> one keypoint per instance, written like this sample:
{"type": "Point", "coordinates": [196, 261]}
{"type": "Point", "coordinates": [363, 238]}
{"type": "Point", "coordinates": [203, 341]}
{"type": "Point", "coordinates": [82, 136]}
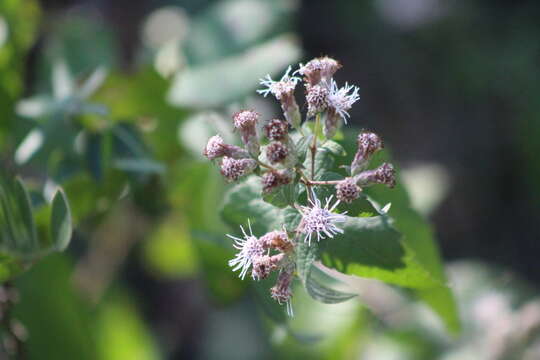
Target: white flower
{"type": "Point", "coordinates": [250, 247]}
{"type": "Point", "coordinates": [285, 85]}
{"type": "Point", "coordinates": [320, 220]}
{"type": "Point", "coordinates": [342, 99]}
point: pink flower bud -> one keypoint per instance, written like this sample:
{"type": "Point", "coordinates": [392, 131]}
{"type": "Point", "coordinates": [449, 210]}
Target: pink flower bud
{"type": "Point", "coordinates": [216, 148]}
{"type": "Point", "coordinates": [275, 178]}
{"type": "Point", "coordinates": [277, 240]}
{"type": "Point", "coordinates": [233, 169]}
{"type": "Point", "coordinates": [319, 69]}
{"type": "Point", "coordinates": [368, 144]}
{"type": "Point", "coordinates": [347, 190]}
{"type": "Point", "coordinates": [245, 122]}
{"type": "Point", "coordinates": [316, 99]}
{"type": "Point", "coordinates": [384, 174]}
{"type": "Point", "coordinates": [276, 130]}
{"type": "Point", "coordinates": [264, 265]}
{"type": "Point", "coordinates": [281, 292]}
{"type": "Point", "coordinates": [276, 152]}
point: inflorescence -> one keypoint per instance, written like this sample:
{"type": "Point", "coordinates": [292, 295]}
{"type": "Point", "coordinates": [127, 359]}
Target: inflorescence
{"type": "Point", "coordinates": [269, 151]}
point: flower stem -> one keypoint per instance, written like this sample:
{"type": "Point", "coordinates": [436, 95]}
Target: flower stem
{"type": "Point", "coordinates": [264, 165]}
{"type": "Point", "coordinates": [313, 147]}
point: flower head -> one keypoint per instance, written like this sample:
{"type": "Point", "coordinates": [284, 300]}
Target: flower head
{"type": "Point", "coordinates": [216, 148]}
{"type": "Point", "coordinates": [245, 122]}
{"type": "Point", "coordinates": [274, 178]}
{"type": "Point", "coordinates": [368, 144]}
{"type": "Point", "coordinates": [284, 87]}
{"type": "Point", "coordinates": [342, 99]}
{"type": "Point", "coordinates": [277, 240]}
{"type": "Point", "coordinates": [276, 129]}
{"type": "Point", "coordinates": [281, 292]}
{"type": "Point", "coordinates": [250, 248]}
{"type": "Point", "coordinates": [264, 265]}
{"type": "Point", "coordinates": [233, 169]}
{"type": "Point", "coordinates": [320, 220]}
{"type": "Point", "coordinates": [276, 152]}
{"type": "Point", "coordinates": [384, 174]}
{"type": "Point", "coordinates": [317, 99]}
{"type": "Point", "coordinates": [347, 190]}
{"type": "Point", "coordinates": [319, 69]}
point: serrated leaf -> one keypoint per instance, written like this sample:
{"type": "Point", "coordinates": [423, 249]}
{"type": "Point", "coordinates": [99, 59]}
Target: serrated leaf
{"type": "Point", "coordinates": [61, 227]}
{"type": "Point", "coordinates": [370, 247]}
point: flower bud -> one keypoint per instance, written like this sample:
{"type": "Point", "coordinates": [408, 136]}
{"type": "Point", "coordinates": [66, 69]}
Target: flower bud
{"type": "Point", "coordinates": [277, 240]}
{"type": "Point", "coordinates": [264, 265]}
{"type": "Point", "coordinates": [368, 144]}
{"type": "Point", "coordinates": [276, 129]}
{"type": "Point", "coordinates": [216, 148]}
{"type": "Point", "coordinates": [316, 99]}
{"type": "Point", "coordinates": [246, 123]}
{"type": "Point", "coordinates": [233, 169]}
{"type": "Point", "coordinates": [319, 69]}
{"type": "Point", "coordinates": [384, 174]}
{"type": "Point", "coordinates": [281, 292]}
{"type": "Point", "coordinates": [275, 178]}
{"type": "Point", "coordinates": [347, 190]}
{"type": "Point", "coordinates": [276, 152]}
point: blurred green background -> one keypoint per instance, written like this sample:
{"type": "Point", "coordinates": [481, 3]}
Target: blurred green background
{"type": "Point", "coordinates": [114, 101]}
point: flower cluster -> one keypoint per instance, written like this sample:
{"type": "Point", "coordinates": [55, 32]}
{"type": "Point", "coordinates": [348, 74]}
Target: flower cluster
{"type": "Point", "coordinates": [275, 150]}
{"type": "Point", "coordinates": [255, 253]}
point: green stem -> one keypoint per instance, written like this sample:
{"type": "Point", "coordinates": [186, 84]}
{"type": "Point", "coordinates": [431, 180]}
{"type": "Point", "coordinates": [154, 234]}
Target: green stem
{"type": "Point", "coordinates": [314, 144]}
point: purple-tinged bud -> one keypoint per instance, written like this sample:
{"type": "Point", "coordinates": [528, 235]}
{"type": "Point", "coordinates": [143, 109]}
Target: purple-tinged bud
{"type": "Point", "coordinates": [276, 152]}
{"type": "Point", "coordinates": [347, 190]}
{"type": "Point", "coordinates": [277, 240]}
{"type": "Point", "coordinates": [316, 99]}
{"type": "Point", "coordinates": [233, 169]}
{"type": "Point", "coordinates": [281, 292]}
{"type": "Point", "coordinates": [245, 122]}
{"type": "Point", "coordinates": [384, 174]}
{"type": "Point", "coordinates": [276, 129]}
{"type": "Point", "coordinates": [264, 265]}
{"type": "Point", "coordinates": [319, 69]}
{"type": "Point", "coordinates": [275, 178]}
{"type": "Point", "coordinates": [368, 144]}
{"type": "Point", "coordinates": [216, 148]}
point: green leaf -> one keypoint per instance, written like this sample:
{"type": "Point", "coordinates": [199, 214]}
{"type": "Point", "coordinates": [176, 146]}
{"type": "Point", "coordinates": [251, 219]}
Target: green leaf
{"type": "Point", "coordinates": [23, 200]}
{"type": "Point", "coordinates": [243, 202]}
{"type": "Point", "coordinates": [419, 237]}
{"type": "Point", "coordinates": [370, 247]}
{"type": "Point", "coordinates": [195, 87]}
{"type": "Point", "coordinates": [324, 158]}
{"type": "Point", "coordinates": [283, 196]}
{"type": "Point", "coordinates": [319, 287]}
{"type": "Point", "coordinates": [305, 256]}
{"type": "Point", "coordinates": [61, 226]}
{"type": "Point", "coordinates": [302, 146]}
